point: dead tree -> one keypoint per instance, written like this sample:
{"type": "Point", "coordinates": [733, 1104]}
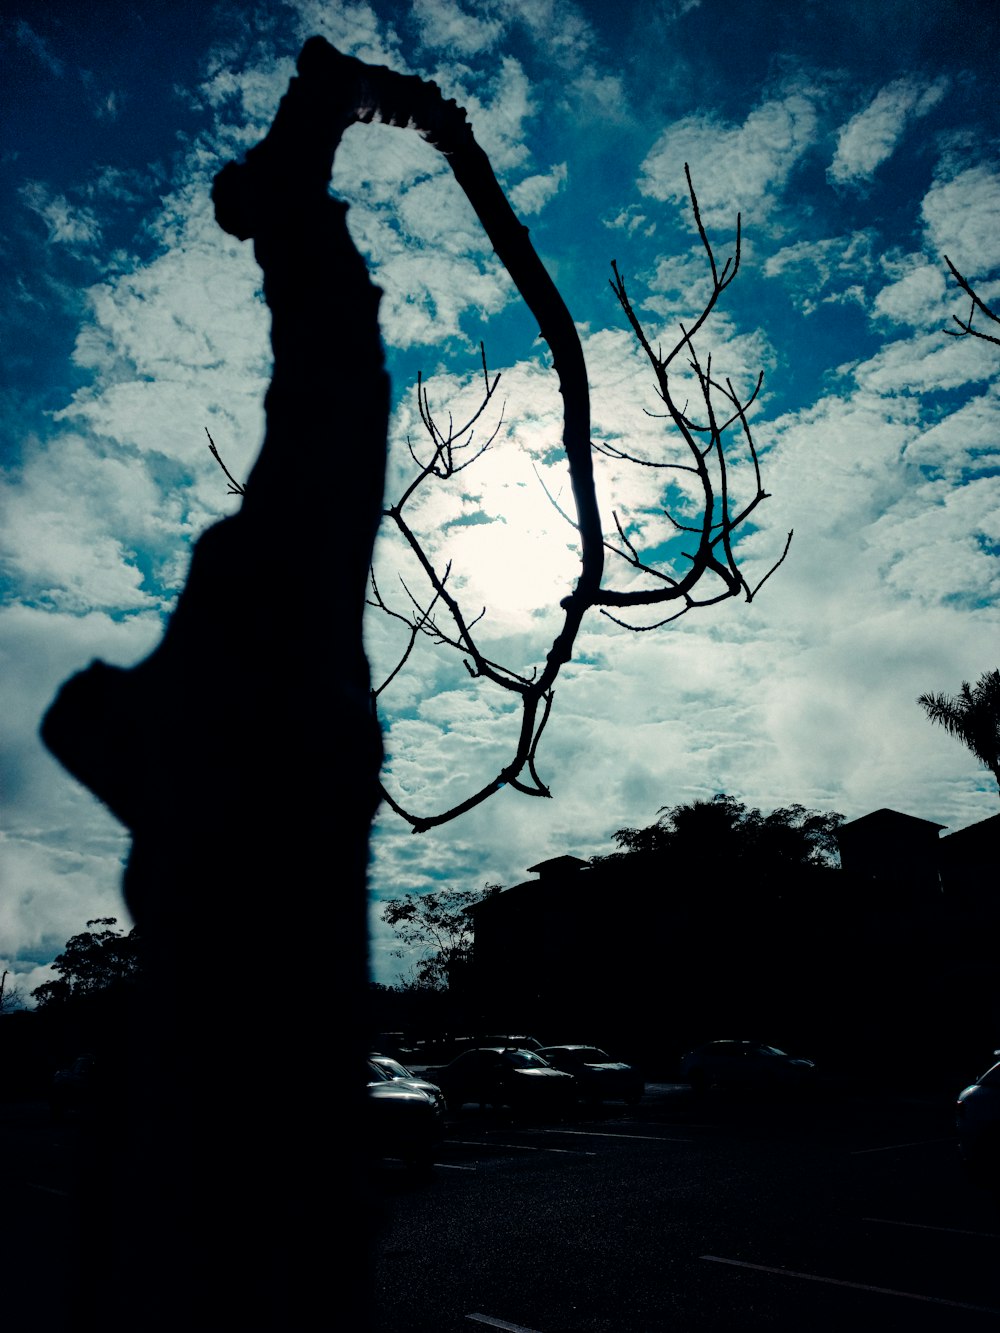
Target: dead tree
{"type": "Point", "coordinates": [244, 756]}
{"type": "Point", "coordinates": [711, 572]}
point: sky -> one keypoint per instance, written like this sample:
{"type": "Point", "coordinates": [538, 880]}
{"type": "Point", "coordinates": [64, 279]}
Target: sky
{"type": "Point", "coordinates": [858, 143]}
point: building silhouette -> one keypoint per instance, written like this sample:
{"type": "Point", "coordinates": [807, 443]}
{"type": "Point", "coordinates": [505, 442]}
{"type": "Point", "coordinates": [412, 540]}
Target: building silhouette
{"type": "Point", "coordinates": [891, 957]}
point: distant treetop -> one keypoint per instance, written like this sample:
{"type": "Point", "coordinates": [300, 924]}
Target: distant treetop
{"type": "Point", "coordinates": [729, 831]}
{"type": "Point", "coordinates": [93, 961]}
{"type": "Point", "coordinates": [972, 716]}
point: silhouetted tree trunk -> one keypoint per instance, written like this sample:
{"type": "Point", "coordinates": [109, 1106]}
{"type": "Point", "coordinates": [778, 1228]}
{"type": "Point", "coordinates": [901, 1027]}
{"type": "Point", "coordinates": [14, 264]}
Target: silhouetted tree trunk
{"type": "Point", "coordinates": [244, 758]}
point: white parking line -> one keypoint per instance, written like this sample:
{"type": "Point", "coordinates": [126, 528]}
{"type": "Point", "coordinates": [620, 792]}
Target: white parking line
{"type": "Point", "coordinates": [891, 1147]}
{"type": "Point", "coordinates": [500, 1323]}
{"type": "Point", "coordinates": [856, 1286]}
{"type": "Point", "coordinates": [48, 1189]}
{"type": "Point", "coordinates": [601, 1134]}
{"type": "Point", "coordinates": [521, 1147]}
{"type": "Point", "coordinates": [925, 1226]}
{"type": "Point", "coordinates": [480, 1143]}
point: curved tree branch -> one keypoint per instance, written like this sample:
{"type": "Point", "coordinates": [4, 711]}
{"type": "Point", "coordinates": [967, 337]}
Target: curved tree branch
{"type": "Point", "coordinates": [342, 90]}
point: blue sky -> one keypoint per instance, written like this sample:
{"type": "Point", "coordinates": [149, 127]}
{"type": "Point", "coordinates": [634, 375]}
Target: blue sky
{"type": "Point", "coordinates": [859, 143]}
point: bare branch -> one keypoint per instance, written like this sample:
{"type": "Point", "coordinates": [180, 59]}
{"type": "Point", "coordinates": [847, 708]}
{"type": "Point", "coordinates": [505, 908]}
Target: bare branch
{"type": "Point", "coordinates": [234, 487]}
{"type": "Point", "coordinates": [553, 501]}
{"type": "Point", "coordinates": [780, 561]}
{"type": "Point", "coordinates": [703, 433]}
{"type": "Point", "coordinates": [965, 326]}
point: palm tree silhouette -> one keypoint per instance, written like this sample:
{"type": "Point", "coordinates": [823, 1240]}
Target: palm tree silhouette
{"type": "Point", "coordinates": [973, 715]}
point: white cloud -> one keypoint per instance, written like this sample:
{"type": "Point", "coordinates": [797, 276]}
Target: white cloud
{"type": "Point", "coordinates": [352, 26]}
{"type": "Point", "coordinates": [959, 215]}
{"type": "Point", "coordinates": [595, 96]}
{"type": "Point", "coordinates": [939, 543]}
{"type": "Point", "coordinates": [534, 192]}
{"type": "Point", "coordinates": [915, 296]}
{"type": "Point", "coordinates": [68, 225]}
{"type": "Point", "coordinates": [62, 852]}
{"type": "Point", "coordinates": [412, 221]}
{"type": "Point", "coordinates": [740, 168]}
{"type": "Point", "coordinates": [559, 28]}
{"type": "Point", "coordinates": [926, 362]}
{"type": "Point", "coordinates": [960, 219]}
{"type": "Point", "coordinates": [445, 24]}
{"type": "Point", "coordinates": [817, 272]}
{"type": "Point", "coordinates": [964, 441]}
{"type": "Point", "coordinates": [75, 516]}
{"type": "Point", "coordinates": [629, 220]}
{"type": "Point", "coordinates": [499, 120]}
{"type": "Point", "coordinates": [245, 97]}
{"type": "Point", "coordinates": [870, 137]}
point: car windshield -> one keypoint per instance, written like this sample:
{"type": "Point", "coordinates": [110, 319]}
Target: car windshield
{"type": "Point", "coordinates": [525, 1060]}
{"type": "Point", "coordinates": [393, 1068]}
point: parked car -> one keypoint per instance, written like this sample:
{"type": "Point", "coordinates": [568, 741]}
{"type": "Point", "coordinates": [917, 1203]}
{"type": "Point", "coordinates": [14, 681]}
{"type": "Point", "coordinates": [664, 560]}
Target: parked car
{"type": "Point", "coordinates": [598, 1077]}
{"type": "Point", "coordinates": [744, 1063]}
{"type": "Point", "coordinates": [977, 1118]}
{"type": "Point", "coordinates": [401, 1074]}
{"type": "Point", "coordinates": [504, 1076]}
{"type": "Point", "coordinates": [404, 1122]}
{"type": "Point", "coordinates": [520, 1040]}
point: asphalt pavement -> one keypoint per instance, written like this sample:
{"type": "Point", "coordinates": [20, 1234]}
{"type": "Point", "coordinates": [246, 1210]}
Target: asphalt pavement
{"type": "Point", "coordinates": [729, 1212]}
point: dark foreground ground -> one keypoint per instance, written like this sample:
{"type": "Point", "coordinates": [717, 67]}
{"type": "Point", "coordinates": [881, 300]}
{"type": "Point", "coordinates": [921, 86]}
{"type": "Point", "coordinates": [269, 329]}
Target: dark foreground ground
{"type": "Point", "coordinates": [847, 1211]}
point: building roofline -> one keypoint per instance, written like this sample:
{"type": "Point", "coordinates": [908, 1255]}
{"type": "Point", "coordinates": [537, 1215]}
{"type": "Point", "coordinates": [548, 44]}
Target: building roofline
{"type": "Point", "coordinates": [896, 816]}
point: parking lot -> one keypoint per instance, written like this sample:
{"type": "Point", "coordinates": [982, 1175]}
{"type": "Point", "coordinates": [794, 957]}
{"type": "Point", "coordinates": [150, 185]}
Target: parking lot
{"type": "Point", "coordinates": [847, 1210]}
{"type": "Point", "coordinates": [842, 1211]}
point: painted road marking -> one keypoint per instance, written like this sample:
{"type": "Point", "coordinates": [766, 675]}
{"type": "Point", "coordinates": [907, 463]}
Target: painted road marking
{"type": "Point", "coordinates": [500, 1323]}
{"type": "Point", "coordinates": [856, 1286]}
{"type": "Point", "coordinates": [520, 1147]}
{"type": "Point", "coordinates": [602, 1134]}
{"type": "Point", "coordinates": [480, 1143]}
{"type": "Point", "coordinates": [891, 1147]}
{"type": "Point", "coordinates": [925, 1226]}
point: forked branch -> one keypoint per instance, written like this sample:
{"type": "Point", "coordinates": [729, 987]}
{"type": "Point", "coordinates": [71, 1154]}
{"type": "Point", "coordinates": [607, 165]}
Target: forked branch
{"type": "Point", "coordinates": [965, 328]}
{"type": "Point", "coordinates": [704, 432]}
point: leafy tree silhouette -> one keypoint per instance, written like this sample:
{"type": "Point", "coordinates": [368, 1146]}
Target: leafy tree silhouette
{"type": "Point", "coordinates": [972, 716]}
{"type": "Point", "coordinates": [438, 925]}
{"type": "Point", "coordinates": [93, 961]}
{"type": "Point", "coordinates": [788, 837]}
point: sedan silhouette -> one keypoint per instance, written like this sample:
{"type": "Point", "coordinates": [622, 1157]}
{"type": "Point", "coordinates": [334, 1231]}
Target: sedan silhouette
{"type": "Point", "coordinates": [504, 1076]}
{"type": "Point", "coordinates": [746, 1063]}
